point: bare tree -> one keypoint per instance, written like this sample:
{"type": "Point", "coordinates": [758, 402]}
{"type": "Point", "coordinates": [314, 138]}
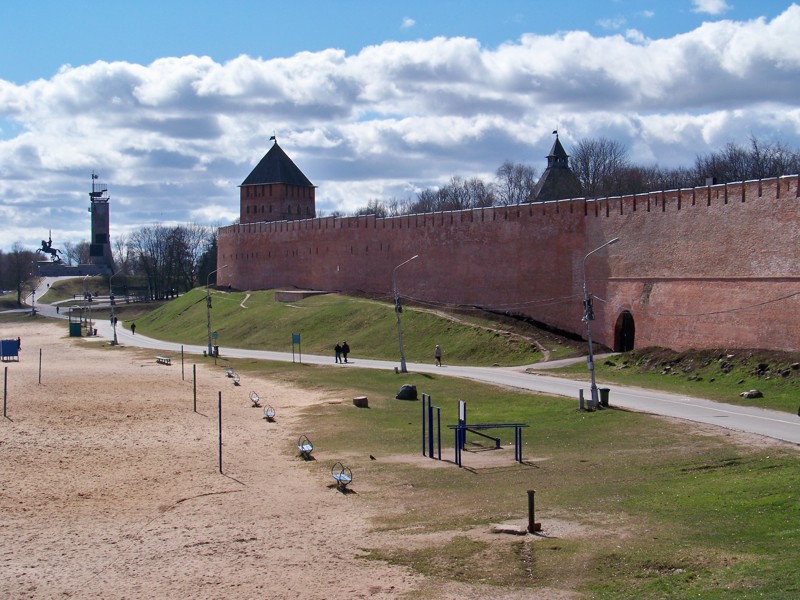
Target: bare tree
{"type": "Point", "coordinates": [515, 183]}
{"type": "Point", "coordinates": [170, 258]}
{"type": "Point", "coordinates": [83, 251]}
{"type": "Point", "coordinates": [598, 162]}
{"type": "Point", "coordinates": [637, 180]}
{"type": "Point", "coordinates": [395, 207]}
{"type": "Point", "coordinates": [68, 253]}
{"type": "Point", "coordinates": [458, 194]}
{"type": "Point", "coordinates": [738, 163]}
{"type": "Point", "coordinates": [122, 254]}
{"type": "Point", "coordinates": [373, 207]}
{"type": "Point", "coordinates": [76, 254]}
{"type": "Point", "coordinates": [208, 261]}
{"type": "Point", "coordinates": [191, 242]}
{"type": "Point", "coordinates": [19, 269]}
{"type": "Point", "coordinates": [150, 248]}
{"type": "Point", "coordinates": [427, 201]}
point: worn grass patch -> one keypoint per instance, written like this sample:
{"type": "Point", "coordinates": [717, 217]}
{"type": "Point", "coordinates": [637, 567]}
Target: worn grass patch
{"type": "Point", "coordinates": [631, 505]}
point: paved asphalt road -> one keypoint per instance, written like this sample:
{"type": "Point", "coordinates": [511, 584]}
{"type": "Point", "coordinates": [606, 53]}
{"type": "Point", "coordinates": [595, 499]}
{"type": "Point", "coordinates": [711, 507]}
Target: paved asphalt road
{"type": "Point", "coordinates": [770, 423]}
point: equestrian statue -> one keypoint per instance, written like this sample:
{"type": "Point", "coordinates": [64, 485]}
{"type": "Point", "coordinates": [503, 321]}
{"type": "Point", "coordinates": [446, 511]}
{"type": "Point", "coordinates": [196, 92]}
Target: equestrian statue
{"type": "Point", "coordinates": [47, 248]}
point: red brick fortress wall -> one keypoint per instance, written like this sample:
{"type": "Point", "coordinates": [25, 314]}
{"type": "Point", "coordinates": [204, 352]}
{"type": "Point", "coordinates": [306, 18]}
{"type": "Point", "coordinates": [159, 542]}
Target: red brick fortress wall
{"type": "Point", "coordinates": [706, 267]}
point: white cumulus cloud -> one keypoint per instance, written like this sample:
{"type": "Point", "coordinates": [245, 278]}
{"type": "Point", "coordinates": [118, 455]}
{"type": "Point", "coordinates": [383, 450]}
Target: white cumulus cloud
{"type": "Point", "coordinates": [711, 7]}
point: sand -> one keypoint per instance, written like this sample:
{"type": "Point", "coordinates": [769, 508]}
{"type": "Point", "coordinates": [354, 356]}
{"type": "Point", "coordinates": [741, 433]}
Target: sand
{"type": "Point", "coordinates": [111, 486]}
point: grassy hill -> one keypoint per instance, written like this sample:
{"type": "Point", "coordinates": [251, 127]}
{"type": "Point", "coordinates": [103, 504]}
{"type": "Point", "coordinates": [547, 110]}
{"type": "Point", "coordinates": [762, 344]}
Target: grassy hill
{"type": "Point", "coordinates": [257, 321]}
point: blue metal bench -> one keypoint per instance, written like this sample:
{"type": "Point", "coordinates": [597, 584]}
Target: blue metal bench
{"type": "Point", "coordinates": [343, 476]}
{"type": "Point", "coordinates": [305, 446]}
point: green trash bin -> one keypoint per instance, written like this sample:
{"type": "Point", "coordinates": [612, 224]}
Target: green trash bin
{"type": "Point", "coordinates": [75, 329]}
{"type": "Point", "coordinates": [604, 392]}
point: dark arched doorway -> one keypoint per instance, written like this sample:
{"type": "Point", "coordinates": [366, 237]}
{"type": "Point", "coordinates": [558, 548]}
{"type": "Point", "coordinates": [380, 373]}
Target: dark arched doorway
{"type": "Point", "coordinates": [624, 332]}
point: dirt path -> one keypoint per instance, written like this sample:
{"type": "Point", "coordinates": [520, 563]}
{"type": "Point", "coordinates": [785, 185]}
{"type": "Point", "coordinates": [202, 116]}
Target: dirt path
{"type": "Point", "coordinates": [531, 340]}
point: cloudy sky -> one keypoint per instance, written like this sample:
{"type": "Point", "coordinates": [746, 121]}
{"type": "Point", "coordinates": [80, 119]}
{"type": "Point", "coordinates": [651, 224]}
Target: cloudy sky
{"type": "Point", "coordinates": [173, 102]}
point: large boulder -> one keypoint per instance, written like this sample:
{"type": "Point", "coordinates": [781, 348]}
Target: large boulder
{"type": "Point", "coordinates": [407, 392]}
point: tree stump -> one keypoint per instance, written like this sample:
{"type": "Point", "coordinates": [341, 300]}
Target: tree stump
{"type": "Point", "coordinates": [361, 402]}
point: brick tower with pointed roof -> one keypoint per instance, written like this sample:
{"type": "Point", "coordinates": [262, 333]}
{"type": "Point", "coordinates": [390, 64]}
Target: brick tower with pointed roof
{"type": "Point", "coordinates": [276, 190]}
{"type": "Point", "coordinates": [558, 181]}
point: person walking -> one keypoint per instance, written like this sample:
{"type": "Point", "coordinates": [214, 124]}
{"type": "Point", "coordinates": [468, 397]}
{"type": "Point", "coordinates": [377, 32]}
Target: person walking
{"type": "Point", "coordinates": [345, 350]}
{"type": "Point", "coordinates": [133, 328]}
{"type": "Point", "coordinates": [338, 350]}
{"type": "Point", "coordinates": [437, 355]}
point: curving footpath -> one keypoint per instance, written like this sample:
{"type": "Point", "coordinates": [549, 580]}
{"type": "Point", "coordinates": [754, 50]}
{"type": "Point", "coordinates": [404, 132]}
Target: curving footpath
{"type": "Point", "coordinates": [769, 423]}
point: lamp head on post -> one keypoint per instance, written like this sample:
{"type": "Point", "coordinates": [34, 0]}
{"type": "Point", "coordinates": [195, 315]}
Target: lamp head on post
{"type": "Point", "coordinates": [588, 317]}
{"type": "Point", "coordinates": [398, 310]}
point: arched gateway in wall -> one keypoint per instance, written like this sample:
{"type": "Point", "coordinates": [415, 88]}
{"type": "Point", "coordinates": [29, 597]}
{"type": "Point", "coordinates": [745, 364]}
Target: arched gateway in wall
{"type": "Point", "coordinates": [624, 332]}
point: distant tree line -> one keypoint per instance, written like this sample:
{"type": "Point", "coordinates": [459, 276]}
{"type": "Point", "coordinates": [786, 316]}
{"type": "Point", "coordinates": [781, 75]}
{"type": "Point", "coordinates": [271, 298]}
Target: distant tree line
{"type": "Point", "coordinates": [171, 259]}
{"type": "Point", "coordinates": [162, 261]}
{"type": "Point", "coordinates": [603, 168]}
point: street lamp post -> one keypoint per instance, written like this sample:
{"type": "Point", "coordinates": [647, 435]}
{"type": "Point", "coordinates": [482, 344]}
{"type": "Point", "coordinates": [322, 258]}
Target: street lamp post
{"type": "Point", "coordinates": [111, 303]}
{"type": "Point", "coordinates": [208, 307]}
{"type": "Point", "coordinates": [397, 310]}
{"type": "Point", "coordinates": [588, 316]}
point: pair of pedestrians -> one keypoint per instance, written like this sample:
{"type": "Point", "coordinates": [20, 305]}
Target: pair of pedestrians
{"type": "Point", "coordinates": [341, 351]}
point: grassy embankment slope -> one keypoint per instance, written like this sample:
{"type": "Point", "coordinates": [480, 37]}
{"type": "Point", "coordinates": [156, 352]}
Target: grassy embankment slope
{"type": "Point", "coordinates": [257, 321]}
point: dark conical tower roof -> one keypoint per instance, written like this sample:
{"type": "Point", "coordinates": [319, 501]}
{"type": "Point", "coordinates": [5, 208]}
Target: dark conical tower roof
{"type": "Point", "coordinates": [558, 181]}
{"type": "Point", "coordinates": [558, 156]}
{"type": "Point", "coordinates": [277, 167]}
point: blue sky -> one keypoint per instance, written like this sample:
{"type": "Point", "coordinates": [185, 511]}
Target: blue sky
{"type": "Point", "coordinates": [173, 102]}
{"type": "Point", "coordinates": [38, 37]}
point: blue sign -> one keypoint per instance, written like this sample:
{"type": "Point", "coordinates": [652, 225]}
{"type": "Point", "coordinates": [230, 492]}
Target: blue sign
{"type": "Point", "coordinates": [295, 338]}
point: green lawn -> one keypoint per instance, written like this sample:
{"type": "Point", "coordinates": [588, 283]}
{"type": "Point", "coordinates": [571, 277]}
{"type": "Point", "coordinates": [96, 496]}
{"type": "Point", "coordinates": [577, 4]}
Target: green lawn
{"type": "Point", "coordinates": [711, 374]}
{"type": "Point", "coordinates": [654, 510]}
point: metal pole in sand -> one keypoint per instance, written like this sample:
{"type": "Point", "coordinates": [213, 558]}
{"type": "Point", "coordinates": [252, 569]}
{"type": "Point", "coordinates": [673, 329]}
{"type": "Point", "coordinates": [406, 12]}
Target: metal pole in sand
{"type": "Point", "coordinates": [5, 388]}
{"type": "Point", "coordinates": [194, 385]}
{"type": "Point", "coordinates": [220, 432]}
{"type": "Point", "coordinates": [40, 366]}
{"type": "Point", "coordinates": [182, 377]}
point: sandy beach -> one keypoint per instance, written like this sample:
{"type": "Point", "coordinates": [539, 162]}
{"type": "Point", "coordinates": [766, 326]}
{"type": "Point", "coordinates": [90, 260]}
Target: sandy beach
{"type": "Point", "coordinates": [111, 486]}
